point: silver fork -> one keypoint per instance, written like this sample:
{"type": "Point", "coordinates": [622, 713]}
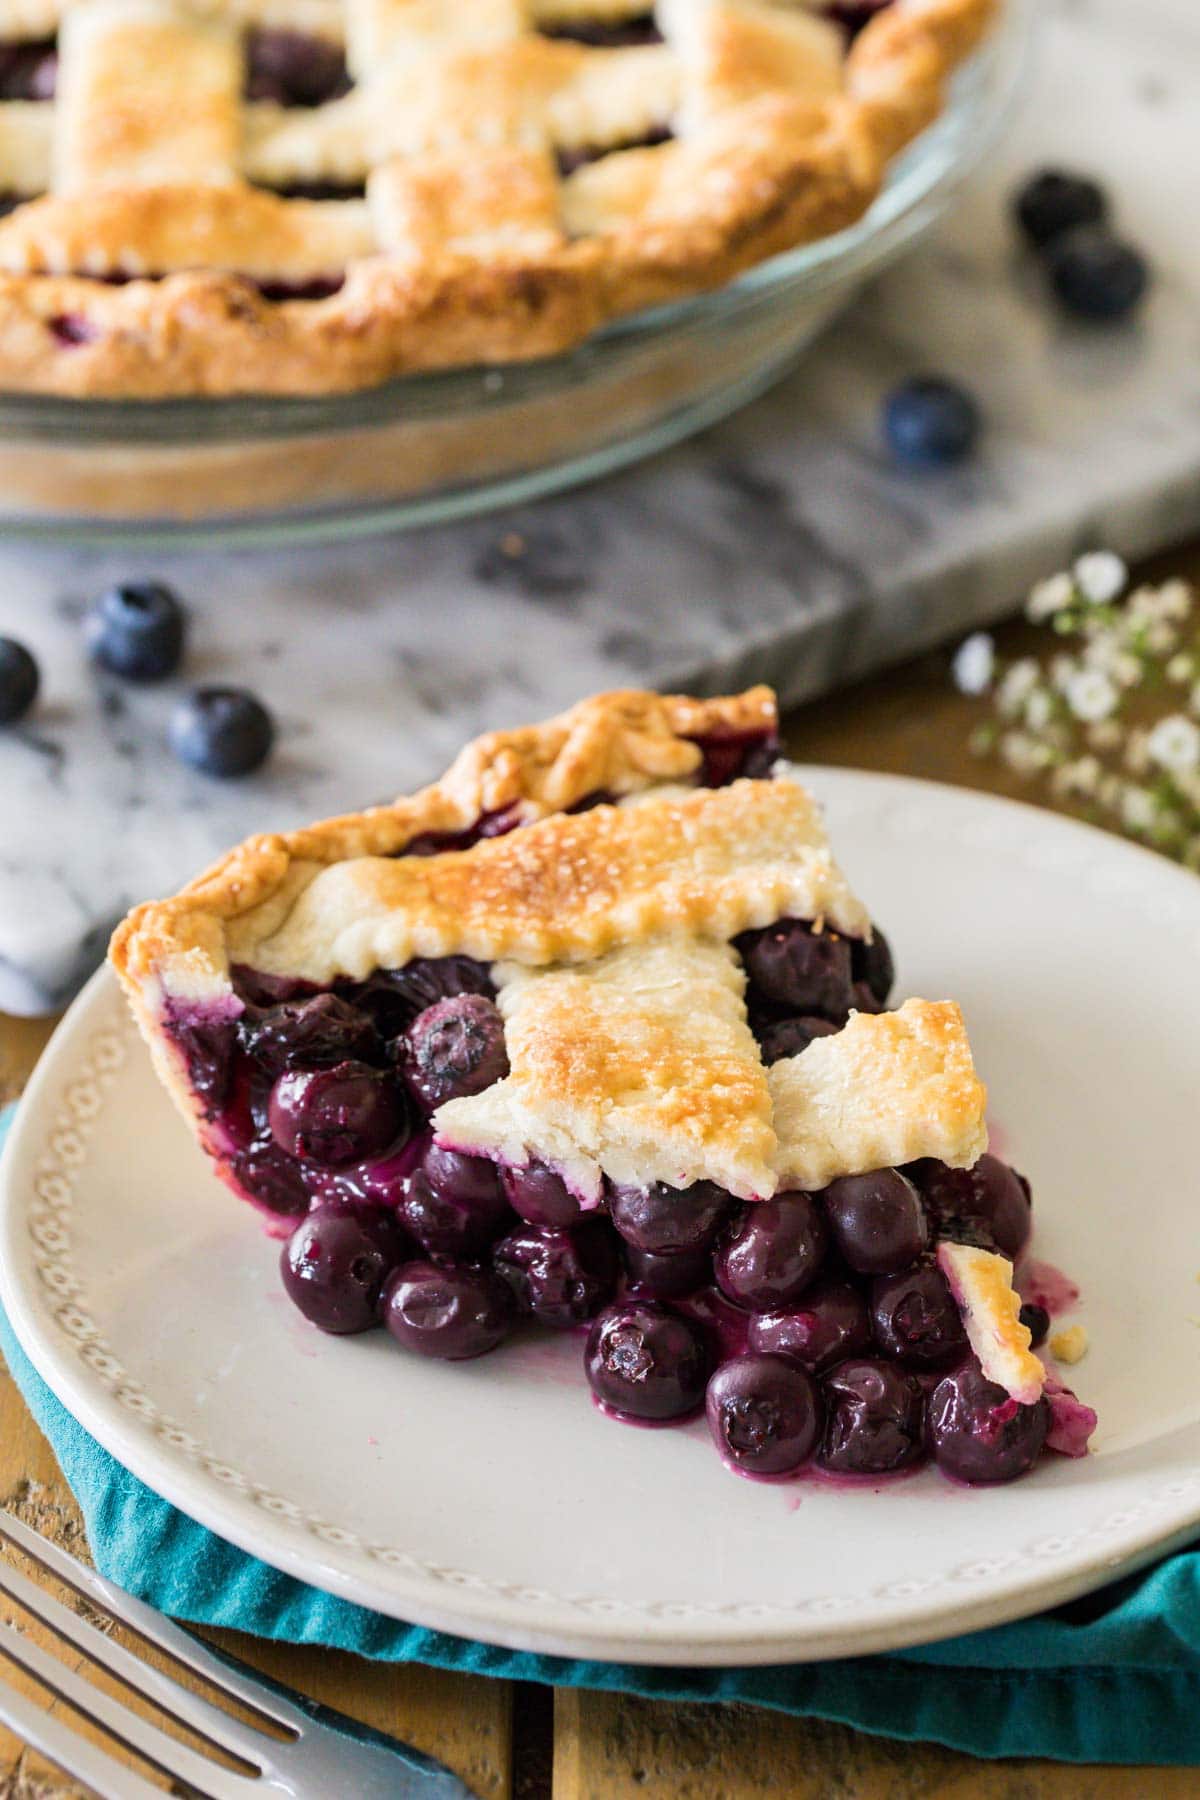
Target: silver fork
{"type": "Point", "coordinates": [325, 1755]}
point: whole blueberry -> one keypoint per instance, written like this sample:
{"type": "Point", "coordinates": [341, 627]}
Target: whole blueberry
{"type": "Point", "coordinates": [930, 423]}
{"type": "Point", "coordinates": [647, 1361]}
{"type": "Point", "coordinates": [1095, 275]}
{"type": "Point", "coordinates": [1036, 1321]}
{"type": "Point", "coordinates": [346, 1114]}
{"type": "Point", "coordinates": [826, 1325]}
{"type": "Point", "coordinates": [778, 1038]}
{"type": "Point", "coordinates": [915, 1318]}
{"type": "Point", "coordinates": [660, 1218]}
{"type": "Point", "coordinates": [222, 731]}
{"type": "Point", "coordinates": [336, 1261]}
{"type": "Point", "coordinates": [874, 1418]}
{"type": "Point", "coordinates": [560, 1275]}
{"type": "Point", "coordinates": [394, 997]}
{"type": "Point", "coordinates": [19, 681]}
{"type": "Point", "coordinates": [764, 1414]}
{"type": "Point", "coordinates": [669, 1274]}
{"type": "Point", "coordinates": [137, 630]}
{"type": "Point", "coordinates": [273, 1181]}
{"type": "Point", "coordinates": [877, 1220]}
{"type": "Point", "coordinates": [311, 1033]}
{"type": "Point", "coordinates": [453, 1204]}
{"type": "Point", "coordinates": [447, 1311]}
{"type": "Point", "coordinates": [987, 1204]}
{"type": "Point", "coordinates": [873, 965]}
{"type": "Point", "coordinates": [540, 1196]}
{"type": "Point", "coordinates": [978, 1433]}
{"type": "Point", "coordinates": [1054, 201]}
{"type": "Point", "coordinates": [453, 1048]}
{"type": "Point", "coordinates": [771, 1252]}
{"type": "Point", "coordinates": [791, 965]}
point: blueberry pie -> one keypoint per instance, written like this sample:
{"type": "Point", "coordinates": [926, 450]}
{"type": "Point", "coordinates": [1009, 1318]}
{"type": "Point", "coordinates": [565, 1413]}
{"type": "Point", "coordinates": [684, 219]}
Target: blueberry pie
{"type": "Point", "coordinates": [594, 1033]}
{"type": "Point", "coordinates": [245, 195]}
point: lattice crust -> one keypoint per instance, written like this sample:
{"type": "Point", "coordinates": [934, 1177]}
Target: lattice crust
{"type": "Point", "coordinates": [514, 191]}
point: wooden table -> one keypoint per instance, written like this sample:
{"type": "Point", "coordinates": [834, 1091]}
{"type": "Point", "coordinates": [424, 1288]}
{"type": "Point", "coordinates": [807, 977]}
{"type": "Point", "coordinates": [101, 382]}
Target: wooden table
{"type": "Point", "coordinates": [514, 1742]}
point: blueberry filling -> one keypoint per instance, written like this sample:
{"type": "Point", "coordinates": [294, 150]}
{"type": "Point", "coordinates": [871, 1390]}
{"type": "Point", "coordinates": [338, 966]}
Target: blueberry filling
{"type": "Point", "coordinates": [292, 68]}
{"type": "Point", "coordinates": [599, 34]}
{"type": "Point", "coordinates": [28, 71]}
{"type": "Point", "coordinates": [578, 157]}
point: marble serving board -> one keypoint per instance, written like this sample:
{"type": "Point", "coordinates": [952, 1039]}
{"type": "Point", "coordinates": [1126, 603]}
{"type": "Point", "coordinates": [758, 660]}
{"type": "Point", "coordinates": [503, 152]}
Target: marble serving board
{"type": "Point", "coordinates": [780, 546]}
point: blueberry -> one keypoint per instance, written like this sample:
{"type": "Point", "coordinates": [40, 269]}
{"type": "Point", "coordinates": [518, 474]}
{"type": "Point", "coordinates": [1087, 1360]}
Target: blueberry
{"type": "Point", "coordinates": [454, 1048]}
{"type": "Point", "coordinates": [987, 1204]}
{"type": "Point", "coordinates": [791, 965]}
{"type": "Point", "coordinates": [394, 997]}
{"type": "Point", "coordinates": [668, 1274]}
{"type": "Point", "coordinates": [453, 1205]}
{"type": "Point", "coordinates": [1095, 275]}
{"type": "Point", "coordinates": [664, 1218]}
{"type": "Point", "coordinates": [221, 731]}
{"type": "Point", "coordinates": [824, 1327]}
{"type": "Point", "coordinates": [877, 1220]}
{"type": "Point", "coordinates": [560, 1275]}
{"type": "Point", "coordinates": [978, 1433]}
{"type": "Point", "coordinates": [1054, 201]}
{"type": "Point", "coordinates": [336, 1261]}
{"type": "Point", "coordinates": [764, 1414]}
{"type": "Point", "coordinates": [778, 1038]}
{"type": "Point", "coordinates": [1036, 1321]}
{"type": "Point", "coordinates": [873, 1418]}
{"type": "Point", "coordinates": [137, 630]}
{"type": "Point", "coordinates": [771, 1252]}
{"type": "Point", "coordinates": [313, 1033]}
{"type": "Point", "coordinates": [448, 1312]}
{"type": "Point", "coordinates": [293, 68]}
{"type": "Point", "coordinates": [915, 1318]}
{"type": "Point", "coordinates": [647, 1361]}
{"type": "Point", "coordinates": [873, 965]}
{"type": "Point", "coordinates": [930, 423]}
{"type": "Point", "coordinates": [272, 1180]}
{"type": "Point", "coordinates": [346, 1114]}
{"type": "Point", "coordinates": [19, 681]}
{"type": "Point", "coordinates": [540, 1196]}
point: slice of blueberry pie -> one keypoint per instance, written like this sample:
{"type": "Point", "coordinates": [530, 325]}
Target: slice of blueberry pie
{"type": "Point", "coordinates": [593, 1033]}
{"type": "Point", "coordinates": [222, 196]}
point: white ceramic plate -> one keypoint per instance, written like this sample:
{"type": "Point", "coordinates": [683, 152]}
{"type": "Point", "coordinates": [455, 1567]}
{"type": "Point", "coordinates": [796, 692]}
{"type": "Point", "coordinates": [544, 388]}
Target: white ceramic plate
{"type": "Point", "coordinates": [491, 1498]}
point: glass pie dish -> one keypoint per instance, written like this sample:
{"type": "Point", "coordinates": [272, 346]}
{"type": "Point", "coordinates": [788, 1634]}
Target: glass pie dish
{"type": "Point", "coordinates": [430, 448]}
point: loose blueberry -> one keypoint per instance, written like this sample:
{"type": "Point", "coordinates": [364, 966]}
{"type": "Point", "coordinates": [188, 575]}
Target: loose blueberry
{"type": "Point", "coordinates": [336, 1261]}
{"type": "Point", "coordinates": [19, 681]}
{"type": "Point", "coordinates": [644, 1360]}
{"type": "Point", "coordinates": [826, 1326]}
{"type": "Point", "coordinates": [873, 1418]}
{"type": "Point", "coordinates": [791, 965]}
{"type": "Point", "coordinates": [137, 630]}
{"type": "Point", "coordinates": [561, 1276]}
{"type": "Point", "coordinates": [539, 1195]}
{"type": "Point", "coordinates": [454, 1048]}
{"type": "Point", "coordinates": [873, 965]}
{"type": "Point", "coordinates": [1036, 1321]}
{"type": "Point", "coordinates": [1054, 201]}
{"type": "Point", "coordinates": [915, 1318]}
{"type": "Point", "coordinates": [448, 1312]}
{"type": "Point", "coordinates": [987, 1204]}
{"type": "Point", "coordinates": [771, 1252]}
{"type": "Point", "coordinates": [314, 1033]}
{"type": "Point", "coordinates": [221, 731]}
{"type": "Point", "coordinates": [978, 1433]}
{"type": "Point", "coordinates": [877, 1220]}
{"type": "Point", "coordinates": [791, 1037]}
{"type": "Point", "coordinates": [664, 1218]}
{"type": "Point", "coordinates": [336, 1116]}
{"type": "Point", "coordinates": [668, 1274]}
{"type": "Point", "coordinates": [764, 1414]}
{"type": "Point", "coordinates": [1095, 275]}
{"type": "Point", "coordinates": [930, 423]}
{"type": "Point", "coordinates": [453, 1204]}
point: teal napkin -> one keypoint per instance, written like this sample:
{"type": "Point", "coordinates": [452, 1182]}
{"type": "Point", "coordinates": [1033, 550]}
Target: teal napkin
{"type": "Point", "coordinates": [1112, 1678]}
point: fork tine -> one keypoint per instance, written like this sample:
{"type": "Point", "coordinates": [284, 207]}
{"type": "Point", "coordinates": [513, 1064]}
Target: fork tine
{"type": "Point", "coordinates": [155, 1684]}
{"type": "Point", "coordinates": [224, 1674]}
{"type": "Point", "coordinates": [70, 1752]}
{"type": "Point", "coordinates": [166, 1753]}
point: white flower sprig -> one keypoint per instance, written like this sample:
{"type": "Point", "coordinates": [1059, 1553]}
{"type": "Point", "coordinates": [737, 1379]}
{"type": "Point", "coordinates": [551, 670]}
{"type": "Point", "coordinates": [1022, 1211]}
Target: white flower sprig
{"type": "Point", "coordinates": [1112, 717]}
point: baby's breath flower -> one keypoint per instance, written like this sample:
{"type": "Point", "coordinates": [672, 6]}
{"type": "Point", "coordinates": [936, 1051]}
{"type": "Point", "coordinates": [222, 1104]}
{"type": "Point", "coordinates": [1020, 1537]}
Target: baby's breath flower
{"type": "Point", "coordinates": [1016, 686]}
{"type": "Point", "coordinates": [1138, 807]}
{"type": "Point", "coordinates": [1186, 783]}
{"type": "Point", "coordinates": [1091, 695]}
{"type": "Point", "coordinates": [1039, 709]}
{"type": "Point", "coordinates": [1100, 576]}
{"type": "Point", "coordinates": [975, 663]}
{"type": "Point", "coordinates": [1160, 637]}
{"type": "Point", "coordinates": [1023, 754]}
{"type": "Point", "coordinates": [1062, 668]}
{"type": "Point", "coordinates": [1176, 599]}
{"type": "Point", "coordinates": [1107, 654]}
{"type": "Point", "coordinates": [1137, 752]}
{"type": "Point", "coordinates": [1078, 779]}
{"type": "Point", "coordinates": [1049, 597]}
{"type": "Point", "coordinates": [1105, 734]}
{"type": "Point", "coordinates": [1182, 667]}
{"type": "Point", "coordinates": [1109, 789]}
{"type": "Point", "coordinates": [1174, 744]}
